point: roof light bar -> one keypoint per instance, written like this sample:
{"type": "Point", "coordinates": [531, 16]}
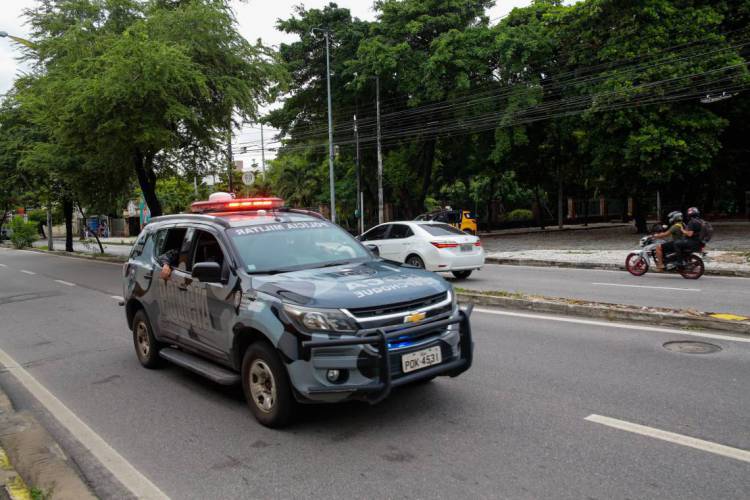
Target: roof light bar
{"type": "Point", "coordinates": [236, 205]}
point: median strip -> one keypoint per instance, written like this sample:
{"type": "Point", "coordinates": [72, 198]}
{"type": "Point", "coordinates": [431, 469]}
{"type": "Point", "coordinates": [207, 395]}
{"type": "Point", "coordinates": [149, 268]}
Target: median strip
{"type": "Point", "coordinates": [683, 318]}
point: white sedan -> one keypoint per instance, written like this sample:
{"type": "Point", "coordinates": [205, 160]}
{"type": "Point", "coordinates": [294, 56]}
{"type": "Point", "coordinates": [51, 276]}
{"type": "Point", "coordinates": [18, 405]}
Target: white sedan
{"type": "Point", "coordinates": [430, 245]}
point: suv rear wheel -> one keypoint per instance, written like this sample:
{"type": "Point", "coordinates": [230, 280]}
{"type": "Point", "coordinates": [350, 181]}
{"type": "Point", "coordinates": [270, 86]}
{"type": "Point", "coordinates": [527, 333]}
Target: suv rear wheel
{"type": "Point", "coordinates": [265, 383]}
{"type": "Point", "coordinates": [146, 346]}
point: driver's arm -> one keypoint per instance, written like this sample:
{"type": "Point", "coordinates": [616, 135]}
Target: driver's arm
{"type": "Point", "coordinates": [687, 232]}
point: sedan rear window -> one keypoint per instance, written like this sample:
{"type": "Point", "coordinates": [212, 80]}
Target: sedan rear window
{"type": "Point", "coordinates": [441, 229]}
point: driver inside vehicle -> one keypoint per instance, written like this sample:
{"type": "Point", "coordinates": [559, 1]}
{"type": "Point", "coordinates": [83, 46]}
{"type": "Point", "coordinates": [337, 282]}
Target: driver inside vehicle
{"type": "Point", "coordinates": [668, 247]}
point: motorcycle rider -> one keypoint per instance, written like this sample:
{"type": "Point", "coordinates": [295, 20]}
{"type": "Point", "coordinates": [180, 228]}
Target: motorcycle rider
{"type": "Point", "coordinates": [675, 231]}
{"type": "Point", "coordinates": [692, 242]}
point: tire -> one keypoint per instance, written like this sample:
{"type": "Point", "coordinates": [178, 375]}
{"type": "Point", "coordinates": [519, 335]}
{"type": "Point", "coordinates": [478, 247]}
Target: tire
{"type": "Point", "coordinates": [636, 265]}
{"type": "Point", "coordinates": [146, 346]}
{"type": "Point", "coordinates": [694, 268]}
{"type": "Point", "coordinates": [415, 261]}
{"type": "Point", "coordinates": [265, 383]}
{"type": "Point", "coordinates": [461, 275]}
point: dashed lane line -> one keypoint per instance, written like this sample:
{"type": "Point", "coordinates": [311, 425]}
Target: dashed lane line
{"type": "Point", "coordinates": [3, 265]}
{"type": "Point", "coordinates": [138, 484]}
{"type": "Point", "coordinates": [672, 437]}
{"type": "Point", "coordinates": [646, 286]}
{"type": "Point", "coordinates": [28, 272]}
{"type": "Point", "coordinates": [117, 297]}
{"type": "Point", "coordinates": [624, 326]}
{"type": "Point", "coordinates": [66, 283]}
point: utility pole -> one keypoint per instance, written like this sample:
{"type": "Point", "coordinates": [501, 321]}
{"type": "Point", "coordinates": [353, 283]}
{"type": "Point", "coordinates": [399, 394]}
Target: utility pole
{"type": "Point", "coordinates": [360, 208]}
{"type": "Point", "coordinates": [380, 152]}
{"type": "Point", "coordinates": [331, 178]}
{"type": "Point", "coordinates": [262, 150]}
{"type": "Point", "coordinates": [229, 157]}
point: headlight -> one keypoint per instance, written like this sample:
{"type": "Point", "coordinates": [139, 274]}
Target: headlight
{"type": "Point", "coordinates": [320, 320]}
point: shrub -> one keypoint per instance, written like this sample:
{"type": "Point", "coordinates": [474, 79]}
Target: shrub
{"type": "Point", "coordinates": [24, 233]}
{"type": "Point", "coordinates": [520, 214]}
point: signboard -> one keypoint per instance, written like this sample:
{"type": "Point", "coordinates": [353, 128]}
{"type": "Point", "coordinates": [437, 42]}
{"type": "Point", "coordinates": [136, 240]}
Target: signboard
{"type": "Point", "coordinates": [248, 178]}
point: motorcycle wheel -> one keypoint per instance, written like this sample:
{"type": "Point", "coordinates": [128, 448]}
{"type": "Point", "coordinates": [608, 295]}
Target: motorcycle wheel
{"type": "Point", "coordinates": [693, 268]}
{"type": "Point", "coordinates": [636, 265]}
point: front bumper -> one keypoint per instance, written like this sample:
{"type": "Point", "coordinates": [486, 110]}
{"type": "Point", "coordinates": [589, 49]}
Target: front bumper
{"type": "Point", "coordinates": [378, 390]}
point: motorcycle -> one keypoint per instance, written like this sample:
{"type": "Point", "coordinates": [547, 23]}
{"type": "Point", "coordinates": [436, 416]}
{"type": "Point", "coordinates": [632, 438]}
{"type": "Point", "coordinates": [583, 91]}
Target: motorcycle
{"type": "Point", "coordinates": [690, 266]}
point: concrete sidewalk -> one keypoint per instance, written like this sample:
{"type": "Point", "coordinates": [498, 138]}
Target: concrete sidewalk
{"type": "Point", "coordinates": [717, 262]}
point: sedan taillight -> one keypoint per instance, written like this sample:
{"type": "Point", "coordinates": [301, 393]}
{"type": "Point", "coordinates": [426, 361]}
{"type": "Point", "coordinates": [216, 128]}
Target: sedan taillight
{"type": "Point", "coordinates": [444, 244]}
{"type": "Point", "coordinates": [478, 243]}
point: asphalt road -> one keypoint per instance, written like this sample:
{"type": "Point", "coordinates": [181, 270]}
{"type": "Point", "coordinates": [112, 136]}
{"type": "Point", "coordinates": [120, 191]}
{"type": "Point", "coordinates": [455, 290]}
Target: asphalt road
{"type": "Point", "coordinates": [709, 293]}
{"type": "Point", "coordinates": [512, 427]}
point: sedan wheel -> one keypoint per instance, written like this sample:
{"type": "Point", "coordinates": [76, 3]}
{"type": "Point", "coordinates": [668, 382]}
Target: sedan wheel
{"type": "Point", "coordinates": [415, 261]}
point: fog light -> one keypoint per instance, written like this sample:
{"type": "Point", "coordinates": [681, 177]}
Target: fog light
{"type": "Point", "coordinates": [333, 375]}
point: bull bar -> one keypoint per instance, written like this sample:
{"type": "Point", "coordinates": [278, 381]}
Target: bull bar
{"type": "Point", "coordinates": [379, 390]}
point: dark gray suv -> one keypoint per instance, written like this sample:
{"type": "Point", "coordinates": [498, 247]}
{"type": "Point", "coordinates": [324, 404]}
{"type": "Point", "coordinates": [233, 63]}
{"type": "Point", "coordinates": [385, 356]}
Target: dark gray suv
{"type": "Point", "coordinates": [288, 304]}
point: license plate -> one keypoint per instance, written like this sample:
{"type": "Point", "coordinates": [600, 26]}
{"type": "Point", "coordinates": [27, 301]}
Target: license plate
{"type": "Point", "coordinates": [467, 247]}
{"type": "Point", "coordinates": [421, 359]}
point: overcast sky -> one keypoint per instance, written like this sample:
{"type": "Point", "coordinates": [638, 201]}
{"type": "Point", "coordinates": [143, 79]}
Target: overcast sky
{"type": "Point", "coordinates": [257, 19]}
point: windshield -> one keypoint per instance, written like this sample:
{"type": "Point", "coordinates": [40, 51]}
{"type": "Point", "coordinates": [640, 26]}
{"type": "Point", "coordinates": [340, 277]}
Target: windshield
{"type": "Point", "coordinates": [289, 246]}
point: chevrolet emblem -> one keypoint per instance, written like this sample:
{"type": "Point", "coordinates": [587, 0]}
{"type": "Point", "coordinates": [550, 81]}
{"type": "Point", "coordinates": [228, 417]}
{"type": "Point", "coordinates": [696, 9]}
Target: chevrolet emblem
{"type": "Point", "coordinates": [414, 317]}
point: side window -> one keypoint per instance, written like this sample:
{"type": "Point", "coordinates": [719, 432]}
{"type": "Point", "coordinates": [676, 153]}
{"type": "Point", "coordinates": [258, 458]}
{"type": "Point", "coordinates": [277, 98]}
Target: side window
{"type": "Point", "coordinates": [400, 231]}
{"type": "Point", "coordinates": [206, 249]}
{"type": "Point", "coordinates": [144, 247]}
{"type": "Point", "coordinates": [441, 218]}
{"type": "Point", "coordinates": [377, 233]}
{"type": "Point", "coordinates": [170, 239]}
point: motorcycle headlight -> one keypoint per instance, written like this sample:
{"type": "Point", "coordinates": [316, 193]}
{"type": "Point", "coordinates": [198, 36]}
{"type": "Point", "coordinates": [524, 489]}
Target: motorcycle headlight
{"type": "Point", "coordinates": [321, 320]}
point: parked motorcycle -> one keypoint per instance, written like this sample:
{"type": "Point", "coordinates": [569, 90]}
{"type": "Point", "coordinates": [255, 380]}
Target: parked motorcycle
{"type": "Point", "coordinates": [690, 266]}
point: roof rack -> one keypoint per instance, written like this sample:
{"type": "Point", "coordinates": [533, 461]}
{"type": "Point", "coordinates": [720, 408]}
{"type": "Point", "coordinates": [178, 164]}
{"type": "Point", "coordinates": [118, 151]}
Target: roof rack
{"type": "Point", "coordinates": [302, 212]}
{"type": "Point", "coordinates": [206, 218]}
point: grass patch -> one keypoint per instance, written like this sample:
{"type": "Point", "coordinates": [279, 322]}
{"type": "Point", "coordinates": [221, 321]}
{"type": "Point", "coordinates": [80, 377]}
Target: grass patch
{"type": "Point", "coordinates": [494, 293]}
{"type": "Point", "coordinates": [39, 494]}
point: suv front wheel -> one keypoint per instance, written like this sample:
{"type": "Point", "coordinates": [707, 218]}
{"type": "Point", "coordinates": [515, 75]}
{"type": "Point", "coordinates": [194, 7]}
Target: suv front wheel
{"type": "Point", "coordinates": [146, 346]}
{"type": "Point", "coordinates": [266, 386]}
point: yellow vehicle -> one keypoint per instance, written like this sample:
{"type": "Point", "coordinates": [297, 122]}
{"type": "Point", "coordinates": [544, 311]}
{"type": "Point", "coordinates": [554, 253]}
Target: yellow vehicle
{"type": "Point", "coordinates": [464, 220]}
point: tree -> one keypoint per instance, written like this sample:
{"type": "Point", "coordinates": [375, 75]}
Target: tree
{"type": "Point", "coordinates": [126, 83]}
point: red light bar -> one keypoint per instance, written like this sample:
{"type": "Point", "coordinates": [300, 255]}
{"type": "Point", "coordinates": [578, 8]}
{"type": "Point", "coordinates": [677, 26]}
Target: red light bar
{"type": "Point", "coordinates": [236, 205]}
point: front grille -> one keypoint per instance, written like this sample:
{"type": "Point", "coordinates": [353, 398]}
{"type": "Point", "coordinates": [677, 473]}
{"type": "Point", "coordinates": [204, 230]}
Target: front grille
{"type": "Point", "coordinates": [399, 307]}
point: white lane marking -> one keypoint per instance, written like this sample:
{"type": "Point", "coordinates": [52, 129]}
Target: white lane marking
{"type": "Point", "coordinates": [607, 324]}
{"type": "Point", "coordinates": [138, 484]}
{"type": "Point", "coordinates": [67, 283]}
{"type": "Point", "coordinates": [672, 437]}
{"type": "Point", "coordinates": [646, 286]}
{"type": "Point", "coordinates": [27, 272]}
{"type": "Point", "coordinates": [117, 297]}
{"type": "Point", "coordinates": [3, 265]}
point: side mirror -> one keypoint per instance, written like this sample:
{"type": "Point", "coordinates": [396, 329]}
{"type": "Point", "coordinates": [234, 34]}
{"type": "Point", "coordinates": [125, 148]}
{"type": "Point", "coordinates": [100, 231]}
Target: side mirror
{"type": "Point", "coordinates": [374, 249]}
{"type": "Point", "coordinates": [207, 272]}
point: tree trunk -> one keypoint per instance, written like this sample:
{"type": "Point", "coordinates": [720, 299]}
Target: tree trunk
{"type": "Point", "coordinates": [540, 215]}
{"type": "Point", "coordinates": [68, 214]}
{"type": "Point", "coordinates": [639, 215]}
{"type": "Point", "coordinates": [144, 169]}
{"type": "Point", "coordinates": [560, 216]}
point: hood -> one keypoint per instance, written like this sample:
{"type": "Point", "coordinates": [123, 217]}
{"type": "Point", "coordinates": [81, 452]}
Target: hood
{"type": "Point", "coordinates": [366, 284]}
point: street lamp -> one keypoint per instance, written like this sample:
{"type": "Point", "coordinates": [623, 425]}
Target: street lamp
{"type": "Point", "coordinates": [327, 33]}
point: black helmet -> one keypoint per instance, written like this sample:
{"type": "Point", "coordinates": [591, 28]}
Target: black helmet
{"type": "Point", "coordinates": [693, 212]}
{"type": "Point", "coordinates": [675, 216]}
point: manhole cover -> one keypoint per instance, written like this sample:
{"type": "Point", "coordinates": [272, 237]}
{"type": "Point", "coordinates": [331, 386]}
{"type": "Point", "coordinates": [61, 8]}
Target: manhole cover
{"type": "Point", "coordinates": [691, 347]}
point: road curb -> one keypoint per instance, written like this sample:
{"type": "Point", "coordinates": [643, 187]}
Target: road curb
{"type": "Point", "coordinates": [602, 266]}
{"type": "Point", "coordinates": [113, 259]}
{"type": "Point", "coordinates": [610, 312]}
{"type": "Point", "coordinates": [37, 457]}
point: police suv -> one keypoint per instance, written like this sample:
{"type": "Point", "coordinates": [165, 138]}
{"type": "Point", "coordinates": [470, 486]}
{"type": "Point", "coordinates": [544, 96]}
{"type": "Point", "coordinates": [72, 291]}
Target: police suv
{"type": "Point", "coordinates": [288, 304]}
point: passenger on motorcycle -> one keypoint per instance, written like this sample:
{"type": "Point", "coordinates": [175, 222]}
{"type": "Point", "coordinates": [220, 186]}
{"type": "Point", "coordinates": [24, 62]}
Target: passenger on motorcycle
{"type": "Point", "coordinates": [692, 242]}
{"type": "Point", "coordinates": [675, 231]}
